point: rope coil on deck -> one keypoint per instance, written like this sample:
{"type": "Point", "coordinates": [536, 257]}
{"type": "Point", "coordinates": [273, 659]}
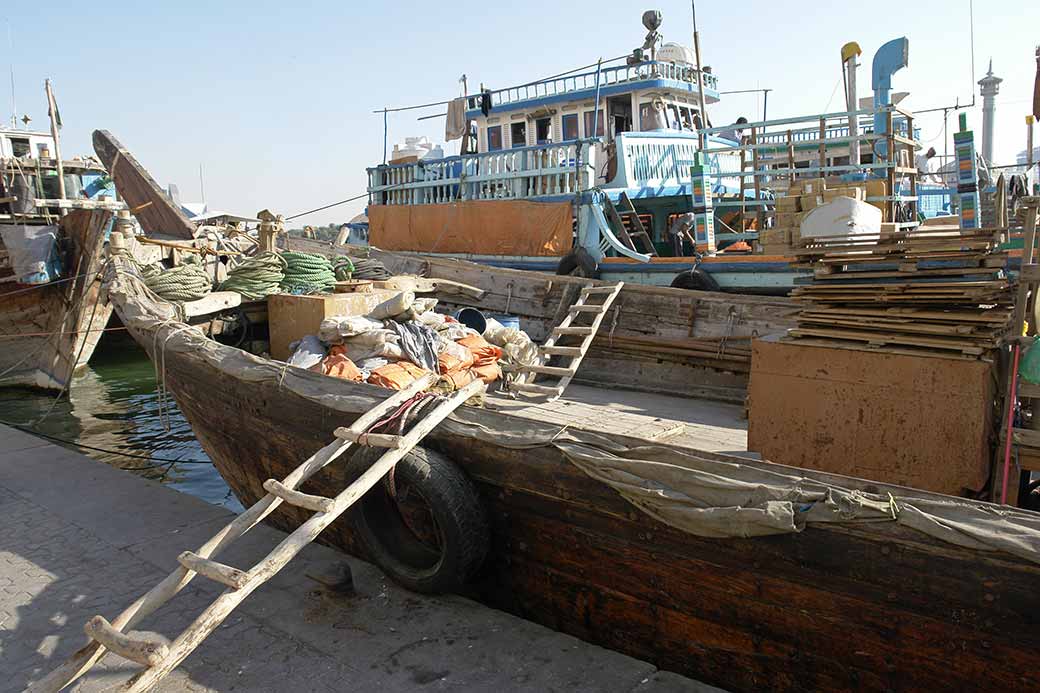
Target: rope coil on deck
{"type": "Point", "coordinates": [187, 282]}
{"type": "Point", "coordinates": [256, 277]}
{"type": "Point", "coordinates": [307, 273]}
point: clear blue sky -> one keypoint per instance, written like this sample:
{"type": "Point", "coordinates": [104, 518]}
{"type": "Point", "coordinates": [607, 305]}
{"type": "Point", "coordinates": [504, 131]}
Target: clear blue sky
{"type": "Point", "coordinates": [275, 101]}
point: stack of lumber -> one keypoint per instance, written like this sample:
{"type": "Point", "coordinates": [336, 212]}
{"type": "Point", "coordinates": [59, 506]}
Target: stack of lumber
{"type": "Point", "coordinates": [934, 290]}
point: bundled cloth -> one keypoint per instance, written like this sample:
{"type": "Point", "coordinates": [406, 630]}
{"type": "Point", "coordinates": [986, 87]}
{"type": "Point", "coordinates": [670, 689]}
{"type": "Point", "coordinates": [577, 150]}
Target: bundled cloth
{"type": "Point", "coordinates": [396, 376]}
{"type": "Point", "coordinates": [485, 358]}
{"type": "Point", "coordinates": [517, 348]}
{"type": "Point", "coordinates": [417, 341]}
{"type": "Point", "coordinates": [339, 365]}
{"type": "Point", "coordinates": [256, 277]}
{"type": "Point", "coordinates": [335, 329]}
{"type": "Point", "coordinates": [307, 273]}
{"type": "Point", "coordinates": [307, 353]}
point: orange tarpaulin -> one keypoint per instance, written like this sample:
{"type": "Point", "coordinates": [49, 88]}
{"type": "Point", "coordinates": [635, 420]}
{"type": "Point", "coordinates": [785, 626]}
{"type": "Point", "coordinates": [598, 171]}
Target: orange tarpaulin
{"type": "Point", "coordinates": [483, 227]}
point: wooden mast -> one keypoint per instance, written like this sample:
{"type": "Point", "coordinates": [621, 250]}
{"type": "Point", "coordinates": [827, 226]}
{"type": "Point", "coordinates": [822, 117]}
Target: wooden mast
{"type": "Point", "coordinates": [52, 112]}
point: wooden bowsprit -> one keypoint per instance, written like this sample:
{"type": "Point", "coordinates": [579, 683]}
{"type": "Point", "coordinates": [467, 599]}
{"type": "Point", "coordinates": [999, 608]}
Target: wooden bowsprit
{"type": "Point", "coordinates": [151, 650]}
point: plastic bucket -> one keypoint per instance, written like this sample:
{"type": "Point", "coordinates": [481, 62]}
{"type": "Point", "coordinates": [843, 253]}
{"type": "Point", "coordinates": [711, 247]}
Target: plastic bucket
{"type": "Point", "coordinates": [473, 319]}
{"type": "Point", "coordinates": [508, 321]}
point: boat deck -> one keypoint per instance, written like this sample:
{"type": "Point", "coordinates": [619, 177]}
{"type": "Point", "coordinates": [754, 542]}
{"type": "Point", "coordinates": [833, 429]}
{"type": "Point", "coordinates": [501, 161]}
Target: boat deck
{"type": "Point", "coordinates": [702, 424]}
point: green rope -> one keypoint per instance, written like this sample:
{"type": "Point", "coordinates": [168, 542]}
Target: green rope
{"type": "Point", "coordinates": [307, 273]}
{"type": "Point", "coordinates": [186, 282]}
{"type": "Point", "coordinates": [257, 276]}
{"type": "Point", "coordinates": [343, 268]}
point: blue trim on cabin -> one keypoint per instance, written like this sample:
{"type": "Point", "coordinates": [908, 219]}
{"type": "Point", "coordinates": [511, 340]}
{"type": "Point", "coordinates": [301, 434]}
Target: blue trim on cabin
{"type": "Point", "coordinates": [627, 87]}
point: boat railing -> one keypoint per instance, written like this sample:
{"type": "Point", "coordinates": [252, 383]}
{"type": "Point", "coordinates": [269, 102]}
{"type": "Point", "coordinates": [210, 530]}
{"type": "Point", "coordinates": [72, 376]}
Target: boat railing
{"type": "Point", "coordinates": [608, 76]}
{"type": "Point", "coordinates": [768, 159]}
{"type": "Point", "coordinates": [545, 170]}
{"type": "Point", "coordinates": [658, 163]}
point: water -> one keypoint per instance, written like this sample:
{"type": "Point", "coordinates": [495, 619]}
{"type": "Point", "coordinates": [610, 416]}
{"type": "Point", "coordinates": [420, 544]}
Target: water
{"type": "Point", "coordinates": [114, 407]}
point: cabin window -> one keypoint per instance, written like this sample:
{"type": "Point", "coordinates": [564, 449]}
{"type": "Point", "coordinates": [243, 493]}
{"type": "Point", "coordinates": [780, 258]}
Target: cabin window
{"type": "Point", "coordinates": [543, 130]}
{"type": "Point", "coordinates": [20, 147]}
{"type": "Point", "coordinates": [674, 121]}
{"type": "Point", "coordinates": [569, 126]}
{"type": "Point", "coordinates": [518, 135]}
{"type": "Point", "coordinates": [687, 118]}
{"type": "Point", "coordinates": [494, 141]}
{"type": "Point", "coordinates": [599, 124]}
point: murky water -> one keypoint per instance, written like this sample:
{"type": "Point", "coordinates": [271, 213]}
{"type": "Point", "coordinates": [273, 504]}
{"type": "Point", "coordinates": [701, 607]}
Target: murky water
{"type": "Point", "coordinates": [114, 408]}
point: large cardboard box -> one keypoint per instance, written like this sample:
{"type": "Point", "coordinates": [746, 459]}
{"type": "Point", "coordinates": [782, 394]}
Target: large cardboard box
{"type": "Point", "coordinates": [917, 421]}
{"type": "Point", "coordinates": [788, 204]}
{"type": "Point", "coordinates": [292, 317]}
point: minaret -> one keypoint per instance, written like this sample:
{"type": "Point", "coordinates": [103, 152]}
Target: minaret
{"type": "Point", "coordinates": [990, 86]}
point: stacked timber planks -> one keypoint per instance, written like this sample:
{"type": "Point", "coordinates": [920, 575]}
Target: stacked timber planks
{"type": "Point", "coordinates": [935, 290]}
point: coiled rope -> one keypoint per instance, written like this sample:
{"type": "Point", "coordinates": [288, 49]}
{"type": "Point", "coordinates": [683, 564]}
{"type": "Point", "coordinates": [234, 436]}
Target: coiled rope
{"type": "Point", "coordinates": [365, 268]}
{"type": "Point", "coordinates": [343, 268]}
{"type": "Point", "coordinates": [256, 277]}
{"type": "Point", "coordinates": [307, 273]}
{"type": "Point", "coordinates": [186, 282]}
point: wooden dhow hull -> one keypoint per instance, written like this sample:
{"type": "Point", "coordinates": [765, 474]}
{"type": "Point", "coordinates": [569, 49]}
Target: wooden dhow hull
{"type": "Point", "coordinates": [863, 606]}
{"type": "Point", "coordinates": [50, 330]}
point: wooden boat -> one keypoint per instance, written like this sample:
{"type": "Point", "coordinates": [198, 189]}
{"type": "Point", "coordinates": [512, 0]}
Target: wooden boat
{"type": "Point", "coordinates": [51, 329]}
{"type": "Point", "coordinates": [706, 564]}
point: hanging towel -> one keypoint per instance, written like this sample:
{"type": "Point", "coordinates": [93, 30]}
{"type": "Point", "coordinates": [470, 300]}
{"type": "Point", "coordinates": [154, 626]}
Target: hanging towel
{"type": "Point", "coordinates": [455, 125]}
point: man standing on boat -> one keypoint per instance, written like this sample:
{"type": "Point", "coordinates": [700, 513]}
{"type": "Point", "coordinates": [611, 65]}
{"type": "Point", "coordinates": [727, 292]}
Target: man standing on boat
{"type": "Point", "coordinates": [924, 167]}
{"type": "Point", "coordinates": [736, 132]}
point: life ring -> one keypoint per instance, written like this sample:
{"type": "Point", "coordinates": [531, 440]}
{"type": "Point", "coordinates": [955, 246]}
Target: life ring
{"type": "Point", "coordinates": [425, 525]}
{"type": "Point", "coordinates": [696, 279]}
{"type": "Point", "coordinates": [579, 263]}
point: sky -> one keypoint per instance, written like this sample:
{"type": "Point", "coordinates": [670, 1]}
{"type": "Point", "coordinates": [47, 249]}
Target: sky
{"type": "Point", "coordinates": [275, 102]}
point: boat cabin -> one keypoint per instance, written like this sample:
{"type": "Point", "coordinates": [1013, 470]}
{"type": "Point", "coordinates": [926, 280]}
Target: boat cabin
{"type": "Point", "coordinates": [25, 144]}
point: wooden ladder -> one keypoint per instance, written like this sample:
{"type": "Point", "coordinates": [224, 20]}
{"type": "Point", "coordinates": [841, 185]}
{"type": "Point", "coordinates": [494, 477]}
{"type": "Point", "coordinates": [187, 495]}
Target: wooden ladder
{"type": "Point", "coordinates": [575, 353]}
{"type": "Point", "coordinates": [160, 658]}
{"type": "Point", "coordinates": [616, 215]}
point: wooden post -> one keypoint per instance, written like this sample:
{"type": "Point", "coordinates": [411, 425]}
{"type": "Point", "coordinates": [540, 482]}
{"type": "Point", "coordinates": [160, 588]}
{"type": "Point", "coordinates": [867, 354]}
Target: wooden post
{"type": "Point", "coordinates": [700, 75]}
{"type": "Point", "coordinates": [823, 147]}
{"type": "Point", "coordinates": [790, 154]}
{"type": "Point", "coordinates": [759, 218]}
{"type": "Point", "coordinates": [52, 112]}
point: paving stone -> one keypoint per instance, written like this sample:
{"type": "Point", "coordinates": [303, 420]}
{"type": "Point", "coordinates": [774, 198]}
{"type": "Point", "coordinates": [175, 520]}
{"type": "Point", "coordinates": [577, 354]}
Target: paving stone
{"type": "Point", "coordinates": [78, 538]}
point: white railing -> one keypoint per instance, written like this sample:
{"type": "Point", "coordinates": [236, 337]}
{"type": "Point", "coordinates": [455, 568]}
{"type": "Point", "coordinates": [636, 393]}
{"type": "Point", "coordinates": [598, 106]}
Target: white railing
{"type": "Point", "coordinates": [510, 174]}
{"type": "Point", "coordinates": [608, 76]}
{"type": "Point", "coordinates": [654, 159]}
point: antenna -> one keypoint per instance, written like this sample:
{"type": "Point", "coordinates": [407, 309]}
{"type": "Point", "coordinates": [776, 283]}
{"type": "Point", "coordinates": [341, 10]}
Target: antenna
{"type": "Point", "coordinates": [202, 187]}
{"type": "Point", "coordinates": [10, 46]}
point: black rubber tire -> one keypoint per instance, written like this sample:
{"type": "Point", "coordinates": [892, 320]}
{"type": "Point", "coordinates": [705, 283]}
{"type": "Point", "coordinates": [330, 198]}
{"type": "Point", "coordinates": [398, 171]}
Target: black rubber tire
{"type": "Point", "coordinates": [453, 501]}
{"type": "Point", "coordinates": [696, 279]}
{"type": "Point", "coordinates": [579, 263]}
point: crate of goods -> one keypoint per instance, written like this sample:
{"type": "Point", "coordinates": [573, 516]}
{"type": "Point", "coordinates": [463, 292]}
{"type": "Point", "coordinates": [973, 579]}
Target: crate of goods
{"type": "Point", "coordinates": [788, 204]}
{"type": "Point", "coordinates": [292, 317]}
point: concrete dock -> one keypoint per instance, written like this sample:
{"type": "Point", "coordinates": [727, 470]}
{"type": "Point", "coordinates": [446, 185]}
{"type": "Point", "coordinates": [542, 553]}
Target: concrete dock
{"type": "Point", "coordinates": [79, 538]}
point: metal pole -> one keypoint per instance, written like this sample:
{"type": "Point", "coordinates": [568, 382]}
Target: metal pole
{"type": "Point", "coordinates": [385, 135]}
{"type": "Point", "coordinates": [700, 75]}
{"type": "Point", "coordinates": [52, 112]}
{"type": "Point", "coordinates": [1029, 151]}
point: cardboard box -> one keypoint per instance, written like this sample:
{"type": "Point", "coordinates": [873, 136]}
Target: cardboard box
{"type": "Point", "coordinates": [811, 202]}
{"type": "Point", "coordinates": [788, 204]}
{"type": "Point", "coordinates": [773, 236]}
{"type": "Point", "coordinates": [774, 249]}
{"type": "Point", "coordinates": [790, 219]}
{"type": "Point", "coordinates": [816, 186]}
{"type": "Point", "coordinates": [290, 317]}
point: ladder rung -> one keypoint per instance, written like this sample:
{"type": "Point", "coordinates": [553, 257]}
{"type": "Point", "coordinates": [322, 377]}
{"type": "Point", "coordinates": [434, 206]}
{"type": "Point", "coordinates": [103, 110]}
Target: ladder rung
{"type": "Point", "coordinates": [539, 389]}
{"type": "Point", "coordinates": [218, 572]}
{"type": "Point", "coordinates": [550, 370]}
{"type": "Point", "coordinates": [318, 504]}
{"type": "Point", "coordinates": [561, 351]}
{"type": "Point", "coordinates": [376, 440]}
{"type": "Point", "coordinates": [146, 649]}
{"type": "Point", "coordinates": [586, 309]}
{"type": "Point", "coordinates": [573, 330]}
{"type": "Point", "coordinates": [598, 289]}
